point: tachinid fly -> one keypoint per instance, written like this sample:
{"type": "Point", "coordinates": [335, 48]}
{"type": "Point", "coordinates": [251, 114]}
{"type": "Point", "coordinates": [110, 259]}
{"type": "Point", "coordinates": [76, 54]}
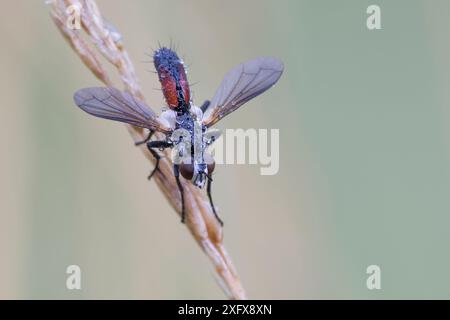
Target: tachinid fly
{"type": "Point", "coordinates": [240, 84]}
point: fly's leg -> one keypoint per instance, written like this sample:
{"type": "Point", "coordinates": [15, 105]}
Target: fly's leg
{"type": "Point", "coordinates": [208, 191]}
{"type": "Point", "coordinates": [157, 157]}
{"type": "Point", "coordinates": [158, 145]}
{"type": "Point", "coordinates": [146, 139]}
{"type": "Point", "coordinates": [176, 173]}
{"type": "Point", "coordinates": [205, 105]}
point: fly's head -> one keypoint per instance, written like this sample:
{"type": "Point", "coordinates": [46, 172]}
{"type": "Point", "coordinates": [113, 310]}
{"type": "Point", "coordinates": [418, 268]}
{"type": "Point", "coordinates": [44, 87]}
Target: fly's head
{"type": "Point", "coordinates": [173, 79]}
{"type": "Point", "coordinates": [198, 173]}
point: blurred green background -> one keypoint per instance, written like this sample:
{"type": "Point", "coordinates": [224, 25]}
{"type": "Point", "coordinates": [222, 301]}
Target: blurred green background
{"type": "Point", "coordinates": [365, 155]}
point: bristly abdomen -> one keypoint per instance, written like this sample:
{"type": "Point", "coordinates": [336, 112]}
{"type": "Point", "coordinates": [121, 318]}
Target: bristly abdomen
{"type": "Point", "coordinates": [173, 79]}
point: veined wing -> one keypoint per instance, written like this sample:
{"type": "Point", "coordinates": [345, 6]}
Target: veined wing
{"type": "Point", "coordinates": [241, 84]}
{"type": "Point", "coordinates": [113, 104]}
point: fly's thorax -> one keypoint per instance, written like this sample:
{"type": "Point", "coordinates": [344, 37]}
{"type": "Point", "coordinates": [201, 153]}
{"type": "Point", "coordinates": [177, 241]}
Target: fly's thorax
{"type": "Point", "coordinates": [183, 138]}
{"type": "Point", "coordinates": [193, 126]}
{"type": "Point", "coordinates": [196, 166]}
{"type": "Point", "coordinates": [197, 169]}
{"type": "Point", "coordinates": [184, 121]}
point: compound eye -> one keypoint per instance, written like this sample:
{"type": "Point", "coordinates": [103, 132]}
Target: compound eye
{"type": "Point", "coordinates": [211, 164]}
{"type": "Point", "coordinates": [187, 171]}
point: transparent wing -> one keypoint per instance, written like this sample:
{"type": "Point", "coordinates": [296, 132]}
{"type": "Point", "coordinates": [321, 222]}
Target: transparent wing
{"type": "Point", "coordinates": [241, 84]}
{"type": "Point", "coordinates": [113, 104]}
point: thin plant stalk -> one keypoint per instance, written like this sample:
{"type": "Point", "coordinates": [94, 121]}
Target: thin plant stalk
{"type": "Point", "coordinates": [104, 40]}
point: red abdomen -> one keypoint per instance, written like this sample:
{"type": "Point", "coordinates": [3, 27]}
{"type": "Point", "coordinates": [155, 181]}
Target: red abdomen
{"type": "Point", "coordinates": [173, 79]}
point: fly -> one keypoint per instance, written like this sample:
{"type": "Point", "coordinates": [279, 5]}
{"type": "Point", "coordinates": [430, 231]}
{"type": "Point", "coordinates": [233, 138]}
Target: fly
{"type": "Point", "coordinates": [240, 84]}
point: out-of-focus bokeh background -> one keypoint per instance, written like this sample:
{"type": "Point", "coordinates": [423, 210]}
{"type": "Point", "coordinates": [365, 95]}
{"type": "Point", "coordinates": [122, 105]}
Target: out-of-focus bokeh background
{"type": "Point", "coordinates": [364, 149]}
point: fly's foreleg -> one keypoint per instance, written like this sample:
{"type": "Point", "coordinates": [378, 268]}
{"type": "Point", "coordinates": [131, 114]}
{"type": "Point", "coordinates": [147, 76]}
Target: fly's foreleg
{"type": "Point", "coordinates": [176, 173]}
{"type": "Point", "coordinates": [208, 191]}
{"type": "Point", "coordinates": [152, 145]}
{"type": "Point", "coordinates": [146, 139]}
